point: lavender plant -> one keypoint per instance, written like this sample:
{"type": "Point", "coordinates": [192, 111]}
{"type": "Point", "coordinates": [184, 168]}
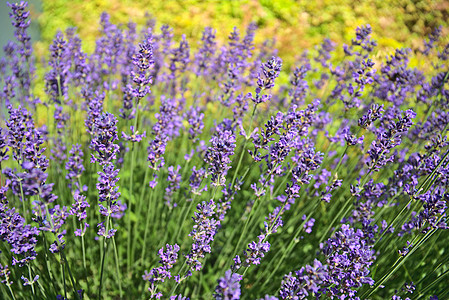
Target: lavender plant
{"type": "Point", "coordinates": [230, 178]}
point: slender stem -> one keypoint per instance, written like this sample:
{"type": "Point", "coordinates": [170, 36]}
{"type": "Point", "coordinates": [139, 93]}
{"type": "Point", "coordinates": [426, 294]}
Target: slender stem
{"type": "Point", "coordinates": [147, 225]}
{"type": "Point", "coordinates": [183, 219]}
{"type": "Point", "coordinates": [131, 193]}
{"type": "Point", "coordinates": [117, 269]}
{"type": "Point", "coordinates": [31, 279]}
{"type": "Point", "coordinates": [418, 190]}
{"type": "Point", "coordinates": [286, 251]}
{"type": "Point", "coordinates": [180, 279]}
{"type": "Point", "coordinates": [83, 247]}
{"type": "Point", "coordinates": [41, 288]}
{"type": "Point", "coordinates": [401, 260]}
{"type": "Point", "coordinates": [244, 147]}
{"type": "Point", "coordinates": [70, 274]}
{"type": "Point", "coordinates": [103, 257]}
{"type": "Point", "coordinates": [427, 288]}
{"type": "Point", "coordinates": [25, 211]}
{"type": "Point", "coordinates": [10, 290]}
{"type": "Point", "coordinates": [270, 231]}
{"type": "Point", "coordinates": [139, 211]}
{"type": "Point", "coordinates": [251, 213]}
{"type": "Point", "coordinates": [49, 270]}
{"type": "Point", "coordinates": [63, 280]}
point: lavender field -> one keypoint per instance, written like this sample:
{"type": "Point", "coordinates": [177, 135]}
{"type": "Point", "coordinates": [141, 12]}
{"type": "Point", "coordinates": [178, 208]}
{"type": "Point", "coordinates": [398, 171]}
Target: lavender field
{"type": "Point", "coordinates": [161, 168]}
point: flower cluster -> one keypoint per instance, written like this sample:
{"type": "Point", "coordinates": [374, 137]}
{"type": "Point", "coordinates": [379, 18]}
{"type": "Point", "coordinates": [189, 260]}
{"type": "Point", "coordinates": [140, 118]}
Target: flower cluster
{"type": "Point", "coordinates": [265, 80]}
{"type": "Point", "coordinates": [202, 234]}
{"type": "Point", "coordinates": [167, 259]}
{"type": "Point", "coordinates": [222, 145]}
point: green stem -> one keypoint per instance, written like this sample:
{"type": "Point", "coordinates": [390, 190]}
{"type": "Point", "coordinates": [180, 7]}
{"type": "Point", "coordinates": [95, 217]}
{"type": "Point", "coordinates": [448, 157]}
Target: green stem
{"type": "Point", "coordinates": [131, 194]}
{"type": "Point", "coordinates": [10, 290]}
{"type": "Point", "coordinates": [139, 211]}
{"type": "Point", "coordinates": [181, 271]}
{"type": "Point", "coordinates": [418, 190]}
{"type": "Point", "coordinates": [70, 274]}
{"type": "Point", "coordinates": [183, 219]}
{"type": "Point", "coordinates": [286, 251]}
{"type": "Point", "coordinates": [244, 147]}
{"type": "Point", "coordinates": [31, 279]}
{"type": "Point", "coordinates": [147, 225]}
{"type": "Point", "coordinates": [117, 269]}
{"type": "Point", "coordinates": [83, 247]}
{"type": "Point", "coordinates": [439, 278]}
{"type": "Point", "coordinates": [251, 213]}
{"type": "Point", "coordinates": [103, 257]}
{"type": "Point", "coordinates": [61, 254]}
{"type": "Point", "coordinates": [401, 260]}
{"type": "Point", "coordinates": [49, 270]}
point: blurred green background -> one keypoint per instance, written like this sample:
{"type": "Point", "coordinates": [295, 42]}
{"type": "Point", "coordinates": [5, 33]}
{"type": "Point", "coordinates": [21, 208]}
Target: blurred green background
{"type": "Point", "coordinates": [296, 25]}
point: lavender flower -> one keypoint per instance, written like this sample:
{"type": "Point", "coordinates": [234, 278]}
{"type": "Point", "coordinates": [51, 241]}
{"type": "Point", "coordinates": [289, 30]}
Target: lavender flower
{"type": "Point", "coordinates": [21, 237]}
{"type": "Point", "coordinates": [134, 137]}
{"type": "Point", "coordinates": [387, 139]}
{"type": "Point", "coordinates": [105, 133]}
{"type": "Point", "coordinates": [75, 167]}
{"type": "Point", "coordinates": [174, 180]}
{"type": "Point", "coordinates": [94, 110]}
{"type": "Point", "coordinates": [362, 40]}
{"type": "Point", "coordinates": [434, 36]}
{"type": "Point", "coordinates": [265, 80]}
{"type": "Point", "coordinates": [300, 87]}
{"type": "Point", "coordinates": [374, 113]}
{"type": "Point", "coordinates": [305, 282]}
{"type": "Point", "coordinates": [56, 78]}
{"type": "Point", "coordinates": [362, 77]}
{"type": "Point", "coordinates": [143, 61]}
{"type": "Point", "coordinates": [228, 287]}
{"type": "Point", "coordinates": [3, 146]}
{"type": "Point", "coordinates": [195, 118]}
{"type": "Point", "coordinates": [107, 190]}
{"type": "Point", "coordinates": [4, 275]}
{"type": "Point", "coordinates": [80, 72]}
{"type": "Point", "coordinates": [204, 56]}
{"type": "Point", "coordinates": [202, 234]}
{"type": "Point", "coordinates": [196, 179]}
{"type": "Point", "coordinates": [434, 204]}
{"type": "Point", "coordinates": [217, 156]}
{"type": "Point", "coordinates": [309, 224]}
{"type": "Point", "coordinates": [22, 67]}
{"type": "Point", "coordinates": [79, 207]}
{"type": "Point", "coordinates": [348, 258]}
{"type": "Point", "coordinates": [326, 47]}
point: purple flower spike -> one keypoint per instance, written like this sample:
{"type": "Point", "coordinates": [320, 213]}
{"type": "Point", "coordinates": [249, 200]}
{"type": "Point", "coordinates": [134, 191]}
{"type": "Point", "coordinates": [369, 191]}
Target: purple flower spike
{"type": "Point", "coordinates": [174, 180]}
{"type": "Point", "coordinates": [56, 78]}
{"type": "Point", "coordinates": [167, 259]}
{"type": "Point", "coordinates": [265, 80]}
{"type": "Point", "coordinates": [374, 113]}
{"type": "Point", "coordinates": [228, 287]}
{"type": "Point", "coordinates": [134, 137]}
{"type": "Point", "coordinates": [143, 60]}
{"type": "Point", "coordinates": [204, 56]}
{"type": "Point", "coordinates": [105, 133]}
{"type": "Point", "coordinates": [75, 167]}
{"type": "Point", "coordinates": [202, 234]}
{"type": "Point", "coordinates": [434, 36]}
{"type": "Point", "coordinates": [23, 68]}
{"type": "Point", "coordinates": [387, 139]}
{"type": "Point", "coordinates": [218, 156]}
{"type": "Point", "coordinates": [4, 275]}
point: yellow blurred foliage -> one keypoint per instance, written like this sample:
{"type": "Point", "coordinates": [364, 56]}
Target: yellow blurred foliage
{"type": "Point", "coordinates": [296, 25]}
